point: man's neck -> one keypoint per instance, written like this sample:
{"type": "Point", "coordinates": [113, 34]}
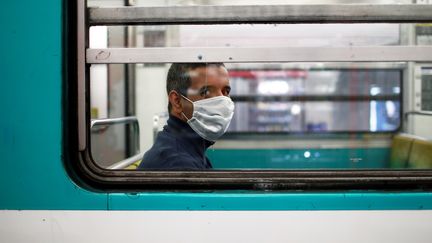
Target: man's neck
{"type": "Point", "coordinates": [179, 116]}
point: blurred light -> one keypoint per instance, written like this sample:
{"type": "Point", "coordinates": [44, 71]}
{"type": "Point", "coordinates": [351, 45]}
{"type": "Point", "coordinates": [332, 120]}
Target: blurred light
{"type": "Point", "coordinates": [396, 90]}
{"type": "Point", "coordinates": [295, 109]}
{"type": "Point", "coordinates": [390, 108]}
{"type": "Point", "coordinates": [273, 87]}
{"type": "Point", "coordinates": [375, 90]}
{"type": "Point", "coordinates": [98, 37]}
{"type": "Point", "coordinates": [307, 154]}
{"type": "Point", "coordinates": [373, 116]}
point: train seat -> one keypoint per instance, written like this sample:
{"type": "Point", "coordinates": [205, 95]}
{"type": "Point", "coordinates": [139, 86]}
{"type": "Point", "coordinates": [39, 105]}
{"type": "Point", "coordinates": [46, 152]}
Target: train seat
{"type": "Point", "coordinates": [421, 154]}
{"type": "Point", "coordinates": [400, 150]}
{"type": "Point", "coordinates": [133, 166]}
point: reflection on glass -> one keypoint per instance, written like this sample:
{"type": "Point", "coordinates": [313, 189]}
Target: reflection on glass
{"type": "Point", "coordinates": [113, 142]}
{"type": "Point", "coordinates": [373, 116]}
{"type": "Point", "coordinates": [315, 100]}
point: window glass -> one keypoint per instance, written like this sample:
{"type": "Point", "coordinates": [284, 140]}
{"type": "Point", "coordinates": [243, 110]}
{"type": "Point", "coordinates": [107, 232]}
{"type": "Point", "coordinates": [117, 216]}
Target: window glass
{"type": "Point", "coordinates": [257, 35]}
{"type": "Point", "coordinates": [285, 115]}
{"type": "Point", "coordinates": [316, 100]}
{"type": "Point", "coordinates": [112, 142]}
{"type": "Point", "coordinates": [277, 102]}
{"type": "Point", "coordinates": [426, 89]}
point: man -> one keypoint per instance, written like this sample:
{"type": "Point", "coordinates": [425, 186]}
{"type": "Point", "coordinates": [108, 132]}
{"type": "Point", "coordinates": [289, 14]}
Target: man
{"type": "Point", "coordinates": [200, 111]}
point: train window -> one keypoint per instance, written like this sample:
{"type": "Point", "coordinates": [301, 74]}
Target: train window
{"type": "Point", "coordinates": [426, 89]}
{"type": "Point", "coordinates": [303, 100]}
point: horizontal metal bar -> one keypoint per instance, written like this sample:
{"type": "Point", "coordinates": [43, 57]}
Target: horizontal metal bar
{"type": "Point", "coordinates": [125, 163]}
{"type": "Point", "coordinates": [355, 13]}
{"type": "Point", "coordinates": [111, 121]}
{"type": "Point", "coordinates": [312, 98]}
{"type": "Point", "coordinates": [421, 113]}
{"type": "Point", "coordinates": [240, 55]}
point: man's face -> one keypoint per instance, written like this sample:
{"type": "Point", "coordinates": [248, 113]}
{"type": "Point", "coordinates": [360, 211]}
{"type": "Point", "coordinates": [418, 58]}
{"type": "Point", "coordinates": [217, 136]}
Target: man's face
{"type": "Point", "coordinates": [207, 82]}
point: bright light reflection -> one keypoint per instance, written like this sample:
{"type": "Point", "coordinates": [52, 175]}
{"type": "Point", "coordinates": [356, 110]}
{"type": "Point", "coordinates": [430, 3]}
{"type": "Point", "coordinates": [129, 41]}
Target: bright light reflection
{"type": "Point", "coordinates": [295, 109]}
{"type": "Point", "coordinates": [390, 108]}
{"type": "Point", "coordinates": [373, 116]}
{"type": "Point", "coordinates": [273, 87]}
{"type": "Point", "coordinates": [375, 90]}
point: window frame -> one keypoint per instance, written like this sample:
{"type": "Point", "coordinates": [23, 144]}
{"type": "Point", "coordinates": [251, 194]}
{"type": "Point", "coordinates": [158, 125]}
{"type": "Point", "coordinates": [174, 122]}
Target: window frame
{"type": "Point", "coordinates": [76, 115]}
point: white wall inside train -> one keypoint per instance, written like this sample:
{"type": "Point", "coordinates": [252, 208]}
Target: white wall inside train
{"type": "Point", "coordinates": [422, 126]}
{"type": "Point", "coordinates": [99, 74]}
{"type": "Point", "coordinates": [419, 125]}
{"type": "Point", "coordinates": [151, 99]}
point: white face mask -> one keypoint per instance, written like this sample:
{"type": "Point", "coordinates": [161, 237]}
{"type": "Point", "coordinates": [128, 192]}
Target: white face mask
{"type": "Point", "coordinates": [211, 117]}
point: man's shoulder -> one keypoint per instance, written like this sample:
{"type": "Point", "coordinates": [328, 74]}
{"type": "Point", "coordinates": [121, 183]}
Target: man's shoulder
{"type": "Point", "coordinates": [161, 158]}
{"type": "Point", "coordinates": [165, 146]}
{"type": "Point", "coordinates": [167, 154]}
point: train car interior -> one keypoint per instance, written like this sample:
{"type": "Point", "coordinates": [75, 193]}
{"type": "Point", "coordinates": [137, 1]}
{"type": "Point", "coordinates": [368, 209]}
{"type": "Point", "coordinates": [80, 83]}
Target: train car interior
{"type": "Point", "coordinates": [311, 113]}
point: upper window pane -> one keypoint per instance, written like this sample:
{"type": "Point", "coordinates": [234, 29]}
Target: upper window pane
{"type": "Point", "coordinates": [258, 35]}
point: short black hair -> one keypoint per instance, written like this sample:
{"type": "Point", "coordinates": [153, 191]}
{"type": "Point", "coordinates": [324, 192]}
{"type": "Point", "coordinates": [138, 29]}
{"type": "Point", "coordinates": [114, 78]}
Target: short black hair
{"type": "Point", "coordinates": [179, 78]}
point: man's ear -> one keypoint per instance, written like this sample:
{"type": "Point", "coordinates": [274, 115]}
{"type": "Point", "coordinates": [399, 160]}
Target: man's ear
{"type": "Point", "coordinates": [175, 101]}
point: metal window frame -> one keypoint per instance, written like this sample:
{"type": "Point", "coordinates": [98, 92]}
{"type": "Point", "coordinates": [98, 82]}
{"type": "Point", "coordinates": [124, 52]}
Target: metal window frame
{"type": "Point", "coordinates": [92, 176]}
{"type": "Point", "coordinates": [317, 13]}
{"type": "Point", "coordinates": [262, 54]}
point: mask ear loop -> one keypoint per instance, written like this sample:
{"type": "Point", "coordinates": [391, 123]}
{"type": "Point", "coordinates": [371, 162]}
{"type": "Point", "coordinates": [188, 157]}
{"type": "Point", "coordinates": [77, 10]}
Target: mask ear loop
{"type": "Point", "coordinates": [186, 98]}
{"type": "Point", "coordinates": [187, 119]}
{"type": "Point", "coordinates": [206, 84]}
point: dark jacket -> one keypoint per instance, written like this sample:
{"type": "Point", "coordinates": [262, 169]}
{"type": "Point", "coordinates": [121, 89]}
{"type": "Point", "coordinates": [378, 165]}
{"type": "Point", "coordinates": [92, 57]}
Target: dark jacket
{"type": "Point", "coordinates": [177, 147]}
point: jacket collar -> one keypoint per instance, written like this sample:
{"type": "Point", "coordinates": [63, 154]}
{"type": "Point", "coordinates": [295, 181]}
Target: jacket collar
{"type": "Point", "coordinates": [183, 131]}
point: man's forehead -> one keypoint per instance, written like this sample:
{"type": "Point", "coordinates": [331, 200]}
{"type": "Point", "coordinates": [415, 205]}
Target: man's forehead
{"type": "Point", "coordinates": [210, 76]}
{"type": "Point", "coordinates": [213, 71]}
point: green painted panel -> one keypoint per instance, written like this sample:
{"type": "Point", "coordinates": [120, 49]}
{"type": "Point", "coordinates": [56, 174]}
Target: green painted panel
{"type": "Point", "coordinates": [32, 173]}
{"type": "Point", "coordinates": [271, 201]}
{"type": "Point", "coordinates": [299, 158]}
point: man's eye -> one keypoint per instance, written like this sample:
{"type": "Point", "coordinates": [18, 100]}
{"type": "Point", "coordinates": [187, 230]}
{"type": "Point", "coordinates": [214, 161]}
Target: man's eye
{"type": "Point", "coordinates": [227, 92]}
{"type": "Point", "coordinates": [204, 92]}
